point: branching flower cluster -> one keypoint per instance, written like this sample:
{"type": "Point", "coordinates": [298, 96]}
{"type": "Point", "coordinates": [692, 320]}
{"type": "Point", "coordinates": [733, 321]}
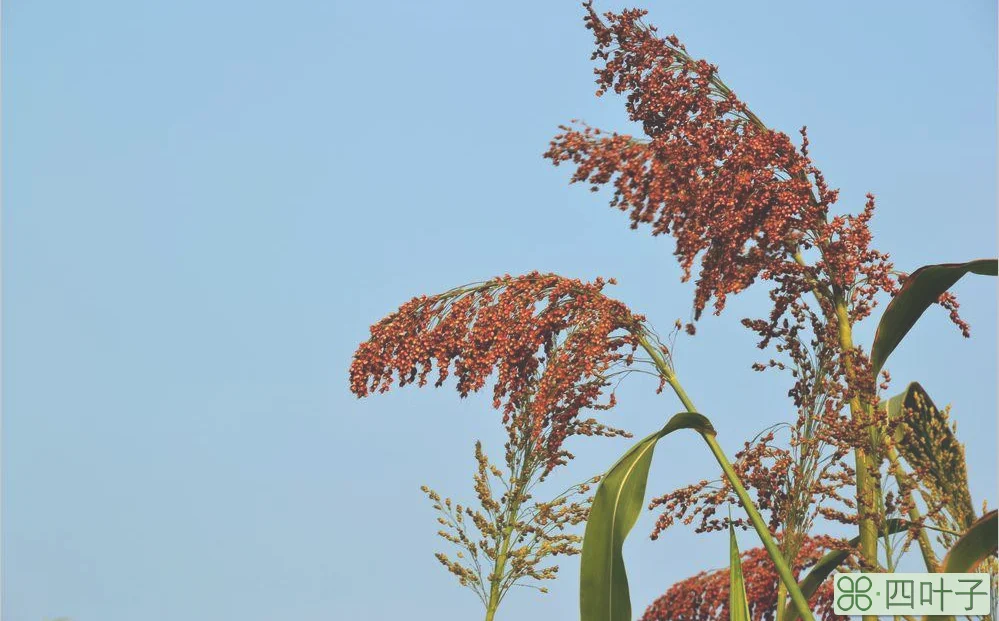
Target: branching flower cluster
{"type": "Point", "coordinates": [552, 343]}
{"type": "Point", "coordinates": [726, 188]}
{"type": "Point", "coordinates": [510, 539]}
{"type": "Point", "coordinates": [776, 476]}
{"type": "Point", "coordinates": [551, 347]}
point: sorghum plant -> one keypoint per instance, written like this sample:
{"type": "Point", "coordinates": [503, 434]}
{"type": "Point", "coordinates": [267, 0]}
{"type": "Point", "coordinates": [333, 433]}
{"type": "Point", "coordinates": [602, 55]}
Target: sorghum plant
{"type": "Point", "coordinates": [745, 204]}
{"type": "Point", "coordinates": [553, 345]}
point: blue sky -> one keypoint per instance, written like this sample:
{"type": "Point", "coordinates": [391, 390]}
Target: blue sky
{"type": "Point", "coordinates": [205, 205]}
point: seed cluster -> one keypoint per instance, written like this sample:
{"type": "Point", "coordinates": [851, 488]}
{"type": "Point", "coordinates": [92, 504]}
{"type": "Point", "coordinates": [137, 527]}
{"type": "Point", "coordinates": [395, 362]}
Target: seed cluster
{"type": "Point", "coordinates": [704, 597]}
{"type": "Point", "coordinates": [719, 183]}
{"type": "Point", "coordinates": [510, 539]}
{"type": "Point", "coordinates": [926, 439]}
{"type": "Point", "coordinates": [548, 343]}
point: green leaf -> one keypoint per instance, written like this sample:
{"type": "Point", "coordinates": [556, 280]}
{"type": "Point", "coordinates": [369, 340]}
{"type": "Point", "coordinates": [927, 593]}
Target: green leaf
{"type": "Point", "coordinates": [828, 564]}
{"type": "Point", "coordinates": [975, 545]}
{"type": "Point", "coordinates": [921, 289]}
{"type": "Point", "coordinates": [738, 604]}
{"type": "Point", "coordinates": [926, 441]}
{"type": "Point", "coordinates": [619, 499]}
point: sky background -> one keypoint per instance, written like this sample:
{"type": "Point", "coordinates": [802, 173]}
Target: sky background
{"type": "Point", "coordinates": [206, 205]}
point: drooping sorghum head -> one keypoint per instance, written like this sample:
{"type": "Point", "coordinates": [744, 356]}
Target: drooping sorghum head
{"type": "Point", "coordinates": [704, 597]}
{"type": "Point", "coordinates": [707, 172]}
{"type": "Point", "coordinates": [738, 197]}
{"type": "Point", "coordinates": [549, 340]}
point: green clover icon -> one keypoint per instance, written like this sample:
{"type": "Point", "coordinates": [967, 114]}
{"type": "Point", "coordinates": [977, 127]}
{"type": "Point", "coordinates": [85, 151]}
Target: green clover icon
{"type": "Point", "coordinates": [854, 592]}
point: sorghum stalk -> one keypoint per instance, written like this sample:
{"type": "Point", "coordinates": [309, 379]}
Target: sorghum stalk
{"type": "Point", "coordinates": [867, 487]}
{"type": "Point", "coordinates": [510, 519]}
{"type": "Point", "coordinates": [859, 411]}
{"type": "Point", "coordinates": [781, 600]}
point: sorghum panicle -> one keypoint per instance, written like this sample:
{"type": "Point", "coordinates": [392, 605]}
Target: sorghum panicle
{"type": "Point", "coordinates": [704, 597]}
{"type": "Point", "coordinates": [549, 340]}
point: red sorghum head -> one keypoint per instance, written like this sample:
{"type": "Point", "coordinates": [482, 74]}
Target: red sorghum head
{"type": "Point", "coordinates": [548, 343]}
{"type": "Point", "coordinates": [729, 190]}
{"type": "Point", "coordinates": [704, 597]}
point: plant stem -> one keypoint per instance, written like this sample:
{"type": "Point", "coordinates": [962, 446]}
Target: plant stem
{"type": "Point", "coordinates": [865, 483]}
{"type": "Point", "coordinates": [665, 371]}
{"type": "Point", "coordinates": [510, 520]}
{"type": "Point", "coordinates": [781, 601]}
{"type": "Point", "coordinates": [497, 576]}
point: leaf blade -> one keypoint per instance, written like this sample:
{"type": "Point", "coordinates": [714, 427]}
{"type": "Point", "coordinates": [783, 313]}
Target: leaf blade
{"type": "Point", "coordinates": [921, 289]}
{"type": "Point", "coordinates": [619, 499]}
{"type": "Point", "coordinates": [738, 603]}
{"type": "Point", "coordinates": [976, 544]}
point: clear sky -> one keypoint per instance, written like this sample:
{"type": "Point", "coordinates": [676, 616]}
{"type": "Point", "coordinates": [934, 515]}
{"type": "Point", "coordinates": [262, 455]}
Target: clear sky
{"type": "Point", "coordinates": [206, 204]}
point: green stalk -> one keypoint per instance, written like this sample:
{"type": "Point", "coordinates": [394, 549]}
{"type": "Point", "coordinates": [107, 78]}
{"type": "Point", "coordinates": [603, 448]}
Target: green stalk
{"type": "Point", "coordinates": [866, 486]}
{"type": "Point", "coordinates": [666, 371]}
{"type": "Point", "coordinates": [496, 579]}
{"type": "Point", "coordinates": [491, 606]}
{"type": "Point", "coordinates": [781, 601]}
{"type": "Point", "coordinates": [494, 587]}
